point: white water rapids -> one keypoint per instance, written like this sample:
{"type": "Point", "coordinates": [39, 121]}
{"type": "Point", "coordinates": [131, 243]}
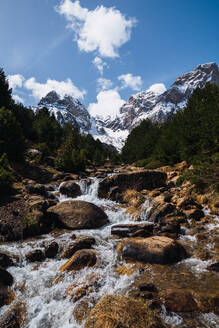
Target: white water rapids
{"type": "Point", "coordinates": [47, 306]}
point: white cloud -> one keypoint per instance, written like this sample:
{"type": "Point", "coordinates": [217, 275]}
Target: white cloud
{"type": "Point", "coordinates": [157, 88]}
{"type": "Point", "coordinates": [99, 63]}
{"type": "Point", "coordinates": [40, 90]}
{"type": "Point", "coordinates": [15, 81]}
{"type": "Point", "coordinates": [18, 99]}
{"type": "Point", "coordinates": [104, 84]}
{"type": "Point", "coordinates": [103, 29]}
{"type": "Point", "coordinates": [130, 81]}
{"type": "Point", "coordinates": [108, 104]}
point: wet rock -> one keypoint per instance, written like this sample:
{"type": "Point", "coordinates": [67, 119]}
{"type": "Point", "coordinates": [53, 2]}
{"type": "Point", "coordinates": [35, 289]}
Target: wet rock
{"type": "Point", "coordinates": [132, 230]}
{"type": "Point", "coordinates": [122, 311]}
{"type": "Point", "coordinates": [178, 300]}
{"type": "Point", "coordinates": [136, 181]}
{"type": "Point", "coordinates": [81, 259]}
{"type": "Point", "coordinates": [214, 267]}
{"type": "Point", "coordinates": [6, 278]}
{"type": "Point", "coordinates": [78, 214]}
{"type": "Point", "coordinates": [70, 189]}
{"type": "Point", "coordinates": [168, 225]}
{"type": "Point", "coordinates": [13, 317]}
{"type": "Point", "coordinates": [160, 211]}
{"type": "Point", "coordinates": [160, 250]}
{"type": "Point", "coordinates": [82, 310]}
{"type": "Point", "coordinates": [35, 256]}
{"type": "Point", "coordinates": [195, 214]}
{"type": "Point", "coordinates": [77, 244]}
{"type": "Point", "coordinates": [6, 295]}
{"type": "Point", "coordinates": [51, 249]}
{"type": "Point", "coordinates": [5, 260]}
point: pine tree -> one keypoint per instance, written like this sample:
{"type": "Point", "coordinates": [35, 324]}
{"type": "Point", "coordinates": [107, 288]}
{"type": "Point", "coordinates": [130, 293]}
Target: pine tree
{"type": "Point", "coordinates": [5, 91]}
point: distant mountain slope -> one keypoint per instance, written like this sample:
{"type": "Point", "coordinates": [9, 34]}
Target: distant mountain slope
{"type": "Point", "coordinates": [65, 110]}
{"type": "Point", "coordinates": [158, 107]}
{"type": "Point", "coordinates": [143, 105]}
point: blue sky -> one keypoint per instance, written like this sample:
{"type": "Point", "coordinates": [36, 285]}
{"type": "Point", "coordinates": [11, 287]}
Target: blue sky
{"type": "Point", "coordinates": [103, 51]}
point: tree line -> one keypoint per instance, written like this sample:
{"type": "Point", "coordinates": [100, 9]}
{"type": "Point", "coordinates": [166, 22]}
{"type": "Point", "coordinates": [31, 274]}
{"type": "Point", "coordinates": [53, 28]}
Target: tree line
{"type": "Point", "coordinates": [191, 135]}
{"type": "Point", "coordinates": [21, 129]}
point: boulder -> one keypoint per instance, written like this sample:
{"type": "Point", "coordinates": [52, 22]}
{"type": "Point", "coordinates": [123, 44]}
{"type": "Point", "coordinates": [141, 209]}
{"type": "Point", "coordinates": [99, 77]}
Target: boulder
{"type": "Point", "coordinates": [35, 256]}
{"type": "Point", "coordinates": [214, 267]}
{"type": "Point", "coordinates": [5, 260]}
{"type": "Point", "coordinates": [81, 259]}
{"type": "Point", "coordinates": [6, 295]}
{"type": "Point", "coordinates": [132, 230]}
{"type": "Point", "coordinates": [161, 210]}
{"type": "Point", "coordinates": [78, 214]}
{"type": "Point", "coordinates": [195, 214]}
{"type": "Point", "coordinates": [122, 311]}
{"type": "Point", "coordinates": [82, 309]}
{"type": "Point", "coordinates": [13, 317]}
{"type": "Point", "coordinates": [157, 249]}
{"type": "Point", "coordinates": [6, 278]}
{"type": "Point", "coordinates": [51, 249]}
{"type": "Point", "coordinates": [178, 300]}
{"type": "Point", "coordinates": [77, 244]}
{"type": "Point", "coordinates": [36, 189]}
{"type": "Point", "coordinates": [147, 287]}
{"type": "Point", "coordinates": [114, 186]}
{"type": "Point", "coordinates": [187, 203]}
{"type": "Point", "coordinates": [36, 223]}
{"type": "Point", "coordinates": [70, 189]}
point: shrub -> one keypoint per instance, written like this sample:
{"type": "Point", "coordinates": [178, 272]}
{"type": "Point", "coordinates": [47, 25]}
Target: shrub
{"type": "Point", "coordinates": [205, 173]}
{"type": "Point", "coordinates": [6, 177]}
{"type": "Point", "coordinates": [11, 137]}
{"type": "Point", "coordinates": [6, 180]}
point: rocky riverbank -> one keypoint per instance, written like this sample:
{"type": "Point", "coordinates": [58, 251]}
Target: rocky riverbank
{"type": "Point", "coordinates": [115, 247]}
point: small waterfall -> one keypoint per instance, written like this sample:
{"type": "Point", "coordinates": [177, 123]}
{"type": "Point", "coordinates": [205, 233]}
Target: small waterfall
{"type": "Point", "coordinates": [89, 187]}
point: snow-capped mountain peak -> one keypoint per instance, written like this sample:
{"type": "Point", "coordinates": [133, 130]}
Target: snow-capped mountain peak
{"type": "Point", "coordinates": [66, 109]}
{"type": "Point", "coordinates": [155, 104]}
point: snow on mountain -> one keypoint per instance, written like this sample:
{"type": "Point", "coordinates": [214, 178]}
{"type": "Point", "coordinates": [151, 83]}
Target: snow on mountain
{"type": "Point", "coordinates": [149, 104]}
{"type": "Point", "coordinates": [158, 107]}
{"type": "Point", "coordinates": [66, 110]}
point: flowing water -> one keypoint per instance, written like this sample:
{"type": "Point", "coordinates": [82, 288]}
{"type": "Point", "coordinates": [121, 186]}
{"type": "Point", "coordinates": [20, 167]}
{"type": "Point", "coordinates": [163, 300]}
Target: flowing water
{"type": "Point", "coordinates": [43, 287]}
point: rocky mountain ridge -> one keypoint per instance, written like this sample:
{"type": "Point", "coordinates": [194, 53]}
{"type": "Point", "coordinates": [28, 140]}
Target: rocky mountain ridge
{"type": "Point", "coordinates": [143, 105]}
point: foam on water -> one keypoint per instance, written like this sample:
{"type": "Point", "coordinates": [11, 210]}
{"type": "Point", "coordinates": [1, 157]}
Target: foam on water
{"type": "Point", "coordinates": [47, 305]}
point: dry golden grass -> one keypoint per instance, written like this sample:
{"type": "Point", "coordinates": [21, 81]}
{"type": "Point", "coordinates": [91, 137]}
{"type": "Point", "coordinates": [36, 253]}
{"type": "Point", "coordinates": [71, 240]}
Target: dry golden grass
{"type": "Point", "coordinates": [133, 198]}
{"type": "Point", "coordinates": [122, 312]}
